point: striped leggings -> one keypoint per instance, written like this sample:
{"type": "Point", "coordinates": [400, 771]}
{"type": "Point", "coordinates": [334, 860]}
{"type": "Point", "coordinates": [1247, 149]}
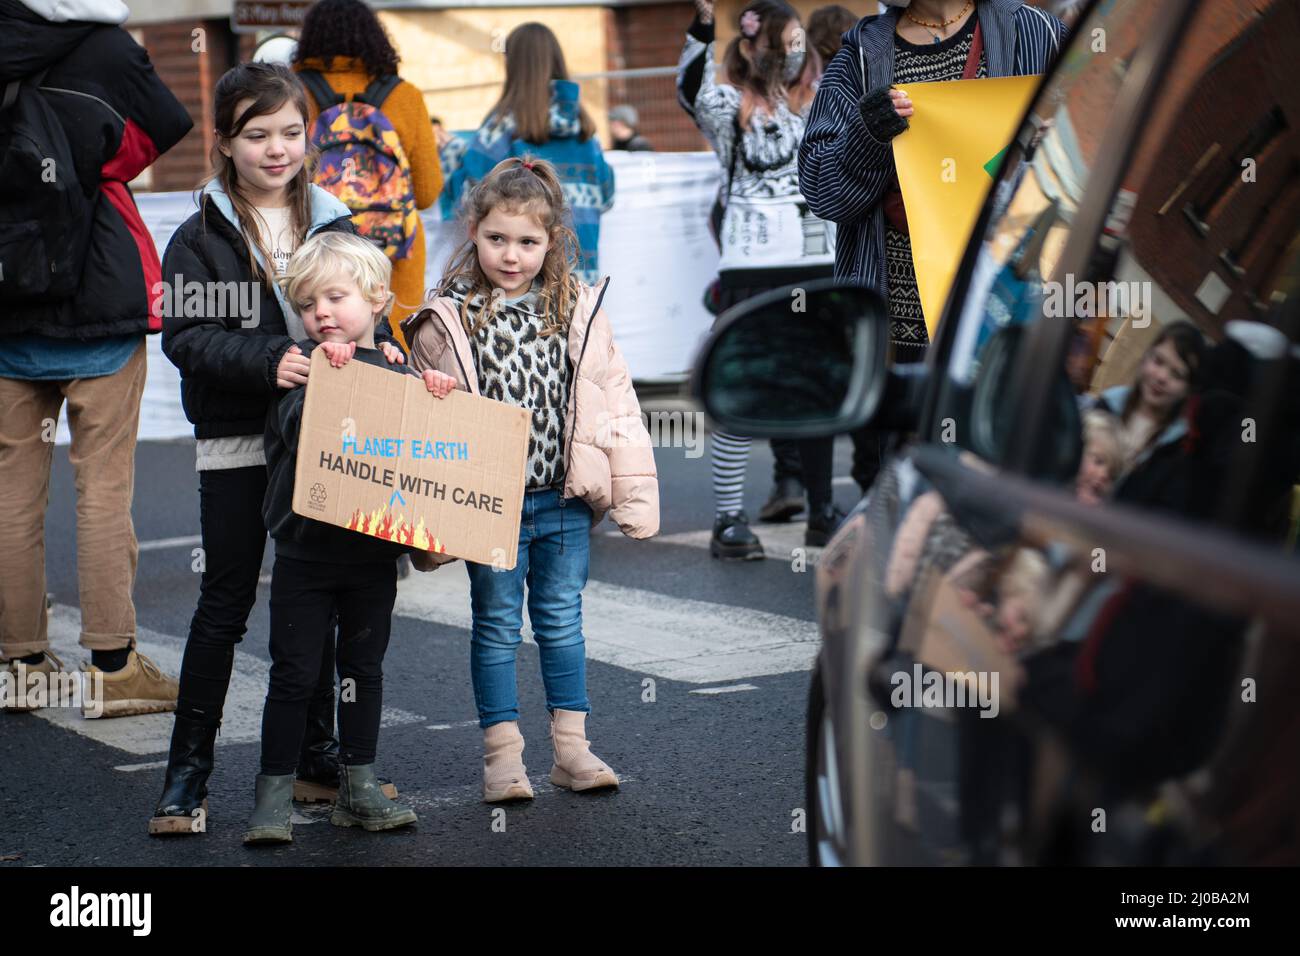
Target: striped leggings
{"type": "Point", "coordinates": [730, 455]}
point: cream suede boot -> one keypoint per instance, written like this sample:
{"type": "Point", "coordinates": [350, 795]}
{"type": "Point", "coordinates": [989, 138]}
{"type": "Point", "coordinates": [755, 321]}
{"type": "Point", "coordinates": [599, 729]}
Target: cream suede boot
{"type": "Point", "coordinates": [576, 767]}
{"type": "Point", "coordinates": [504, 774]}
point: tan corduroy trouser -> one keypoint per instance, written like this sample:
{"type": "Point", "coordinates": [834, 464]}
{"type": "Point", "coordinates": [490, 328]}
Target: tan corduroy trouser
{"type": "Point", "coordinates": [103, 416]}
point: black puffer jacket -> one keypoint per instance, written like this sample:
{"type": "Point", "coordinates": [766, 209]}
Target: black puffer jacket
{"type": "Point", "coordinates": [228, 369]}
{"type": "Point", "coordinates": [119, 117]}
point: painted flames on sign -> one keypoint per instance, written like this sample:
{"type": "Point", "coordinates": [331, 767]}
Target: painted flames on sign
{"type": "Point", "coordinates": [383, 524]}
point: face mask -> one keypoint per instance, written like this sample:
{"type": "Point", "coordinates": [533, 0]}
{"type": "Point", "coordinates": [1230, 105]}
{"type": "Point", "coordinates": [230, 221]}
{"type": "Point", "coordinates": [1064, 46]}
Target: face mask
{"type": "Point", "coordinates": [793, 66]}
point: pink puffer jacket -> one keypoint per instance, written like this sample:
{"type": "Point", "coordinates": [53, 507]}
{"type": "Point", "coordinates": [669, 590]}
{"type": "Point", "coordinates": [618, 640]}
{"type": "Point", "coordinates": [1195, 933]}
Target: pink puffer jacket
{"type": "Point", "coordinates": [609, 462]}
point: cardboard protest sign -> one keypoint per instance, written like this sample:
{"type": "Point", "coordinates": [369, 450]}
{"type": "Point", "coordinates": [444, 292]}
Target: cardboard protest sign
{"type": "Point", "coordinates": [946, 160]}
{"type": "Point", "coordinates": [379, 455]}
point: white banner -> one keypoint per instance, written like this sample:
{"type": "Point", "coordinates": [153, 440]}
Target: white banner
{"type": "Point", "coordinates": [654, 244]}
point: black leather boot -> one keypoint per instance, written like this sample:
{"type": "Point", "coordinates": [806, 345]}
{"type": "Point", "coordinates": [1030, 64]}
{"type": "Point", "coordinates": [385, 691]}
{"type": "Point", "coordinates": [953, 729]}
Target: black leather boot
{"type": "Point", "coordinates": [822, 524]}
{"type": "Point", "coordinates": [318, 763]}
{"type": "Point", "coordinates": [784, 503]}
{"type": "Point", "coordinates": [183, 806]}
{"type": "Point", "coordinates": [732, 539]}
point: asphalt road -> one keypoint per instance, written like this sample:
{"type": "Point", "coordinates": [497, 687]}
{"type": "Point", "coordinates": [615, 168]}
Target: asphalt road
{"type": "Point", "coordinates": [697, 674]}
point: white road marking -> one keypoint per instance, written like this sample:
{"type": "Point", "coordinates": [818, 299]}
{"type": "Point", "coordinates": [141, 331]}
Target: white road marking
{"type": "Point", "coordinates": [698, 642]}
{"type": "Point", "coordinates": [151, 733]}
{"type": "Point", "coordinates": [724, 690]}
{"type": "Point", "coordinates": [157, 544]}
{"type": "Point", "coordinates": [683, 639]}
{"type": "Point", "coordinates": [133, 767]}
{"type": "Point", "coordinates": [459, 723]}
{"type": "Point", "coordinates": [780, 541]}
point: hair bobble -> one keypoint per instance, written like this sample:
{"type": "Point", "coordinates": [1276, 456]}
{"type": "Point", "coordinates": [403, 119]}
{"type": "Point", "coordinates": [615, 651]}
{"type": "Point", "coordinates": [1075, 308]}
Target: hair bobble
{"type": "Point", "coordinates": [750, 24]}
{"type": "Point", "coordinates": [527, 165]}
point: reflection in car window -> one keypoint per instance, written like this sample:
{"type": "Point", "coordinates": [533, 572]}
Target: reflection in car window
{"type": "Point", "coordinates": [1124, 681]}
{"type": "Point", "coordinates": [1048, 169]}
{"type": "Point", "coordinates": [1205, 234]}
{"type": "Point", "coordinates": [1176, 350]}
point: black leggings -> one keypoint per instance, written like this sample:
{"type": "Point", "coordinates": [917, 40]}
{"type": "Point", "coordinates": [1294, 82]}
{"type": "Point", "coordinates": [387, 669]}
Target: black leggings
{"type": "Point", "coordinates": [785, 459]}
{"type": "Point", "coordinates": [305, 595]}
{"type": "Point", "coordinates": [817, 456]}
{"type": "Point", "coordinates": [234, 537]}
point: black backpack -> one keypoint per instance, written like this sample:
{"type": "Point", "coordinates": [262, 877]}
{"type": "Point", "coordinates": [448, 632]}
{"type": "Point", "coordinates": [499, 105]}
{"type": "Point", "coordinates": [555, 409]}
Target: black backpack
{"type": "Point", "coordinates": [45, 214]}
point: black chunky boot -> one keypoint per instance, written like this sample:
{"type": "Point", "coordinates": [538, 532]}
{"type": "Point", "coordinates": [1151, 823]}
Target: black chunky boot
{"type": "Point", "coordinates": [318, 764]}
{"type": "Point", "coordinates": [823, 522]}
{"type": "Point", "coordinates": [784, 503]}
{"type": "Point", "coordinates": [732, 539]}
{"type": "Point", "coordinates": [183, 806]}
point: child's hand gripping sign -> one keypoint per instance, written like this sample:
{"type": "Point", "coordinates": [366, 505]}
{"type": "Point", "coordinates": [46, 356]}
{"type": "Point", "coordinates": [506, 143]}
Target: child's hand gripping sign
{"type": "Point", "coordinates": [380, 455]}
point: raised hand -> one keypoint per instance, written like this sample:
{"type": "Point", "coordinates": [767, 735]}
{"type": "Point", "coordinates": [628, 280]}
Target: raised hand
{"type": "Point", "coordinates": [338, 352]}
{"type": "Point", "coordinates": [440, 383]}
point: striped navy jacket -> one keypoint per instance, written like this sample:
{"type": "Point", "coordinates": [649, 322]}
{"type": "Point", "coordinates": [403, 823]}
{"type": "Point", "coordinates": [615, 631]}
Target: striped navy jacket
{"type": "Point", "coordinates": [844, 170]}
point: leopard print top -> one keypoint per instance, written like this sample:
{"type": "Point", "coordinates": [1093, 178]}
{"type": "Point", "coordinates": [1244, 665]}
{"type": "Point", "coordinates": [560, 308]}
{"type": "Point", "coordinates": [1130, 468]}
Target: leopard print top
{"type": "Point", "coordinates": [518, 365]}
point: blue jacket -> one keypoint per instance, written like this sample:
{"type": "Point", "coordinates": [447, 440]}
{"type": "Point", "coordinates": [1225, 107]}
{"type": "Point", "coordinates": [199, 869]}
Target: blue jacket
{"type": "Point", "coordinates": [587, 179]}
{"type": "Point", "coordinates": [844, 171]}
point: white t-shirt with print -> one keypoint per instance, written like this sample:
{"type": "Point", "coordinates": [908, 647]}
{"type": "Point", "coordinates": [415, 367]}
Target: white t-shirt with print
{"type": "Point", "coordinates": [276, 226]}
{"type": "Point", "coordinates": [241, 451]}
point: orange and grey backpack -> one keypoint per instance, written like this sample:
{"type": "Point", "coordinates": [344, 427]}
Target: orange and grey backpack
{"type": "Point", "coordinates": [362, 162]}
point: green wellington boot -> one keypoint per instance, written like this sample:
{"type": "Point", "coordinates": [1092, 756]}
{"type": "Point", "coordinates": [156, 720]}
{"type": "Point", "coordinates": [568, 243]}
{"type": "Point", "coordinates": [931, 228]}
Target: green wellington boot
{"type": "Point", "coordinates": [361, 802]}
{"type": "Point", "coordinates": [270, 822]}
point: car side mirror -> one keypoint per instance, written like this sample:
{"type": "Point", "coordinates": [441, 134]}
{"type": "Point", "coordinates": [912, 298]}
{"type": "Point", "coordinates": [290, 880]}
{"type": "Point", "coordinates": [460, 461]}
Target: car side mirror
{"type": "Point", "coordinates": [805, 361]}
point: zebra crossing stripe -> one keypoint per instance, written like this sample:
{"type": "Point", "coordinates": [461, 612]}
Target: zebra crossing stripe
{"type": "Point", "coordinates": [151, 733]}
{"type": "Point", "coordinates": [682, 639]}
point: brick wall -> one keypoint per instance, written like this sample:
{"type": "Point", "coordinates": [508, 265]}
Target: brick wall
{"type": "Point", "coordinates": [652, 36]}
{"type": "Point", "coordinates": [191, 76]}
{"type": "Point", "coordinates": [1236, 66]}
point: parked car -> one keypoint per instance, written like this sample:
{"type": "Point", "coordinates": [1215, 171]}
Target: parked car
{"type": "Point", "coordinates": [1011, 671]}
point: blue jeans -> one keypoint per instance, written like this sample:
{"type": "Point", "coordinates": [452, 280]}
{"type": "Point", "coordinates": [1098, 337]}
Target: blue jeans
{"type": "Point", "coordinates": [554, 548]}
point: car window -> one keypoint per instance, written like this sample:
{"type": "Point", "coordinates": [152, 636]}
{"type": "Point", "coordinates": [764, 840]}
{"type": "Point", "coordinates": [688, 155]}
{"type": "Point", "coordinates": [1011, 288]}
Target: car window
{"type": "Point", "coordinates": [1044, 701]}
{"type": "Point", "coordinates": [1046, 172]}
{"type": "Point", "coordinates": [1177, 386]}
{"type": "Point", "coordinates": [1204, 235]}
{"type": "Point", "coordinates": [1094, 701]}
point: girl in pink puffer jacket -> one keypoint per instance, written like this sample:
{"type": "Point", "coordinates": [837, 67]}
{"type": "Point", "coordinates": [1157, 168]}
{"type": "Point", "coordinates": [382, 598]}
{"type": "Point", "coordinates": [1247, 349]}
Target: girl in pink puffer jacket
{"type": "Point", "coordinates": [510, 321]}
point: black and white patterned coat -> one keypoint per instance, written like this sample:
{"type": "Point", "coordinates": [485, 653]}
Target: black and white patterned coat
{"type": "Point", "coordinates": [768, 224]}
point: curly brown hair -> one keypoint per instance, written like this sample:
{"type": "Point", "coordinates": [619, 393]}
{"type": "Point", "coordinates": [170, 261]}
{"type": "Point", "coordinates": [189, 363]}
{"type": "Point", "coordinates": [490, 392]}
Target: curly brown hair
{"type": "Point", "coordinates": [519, 185]}
{"type": "Point", "coordinates": [348, 28]}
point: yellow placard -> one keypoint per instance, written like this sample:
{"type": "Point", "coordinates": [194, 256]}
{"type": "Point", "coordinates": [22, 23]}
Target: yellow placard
{"type": "Point", "coordinates": [946, 161]}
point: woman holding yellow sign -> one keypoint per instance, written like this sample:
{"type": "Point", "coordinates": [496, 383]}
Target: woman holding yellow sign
{"type": "Point", "coordinates": [846, 160]}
